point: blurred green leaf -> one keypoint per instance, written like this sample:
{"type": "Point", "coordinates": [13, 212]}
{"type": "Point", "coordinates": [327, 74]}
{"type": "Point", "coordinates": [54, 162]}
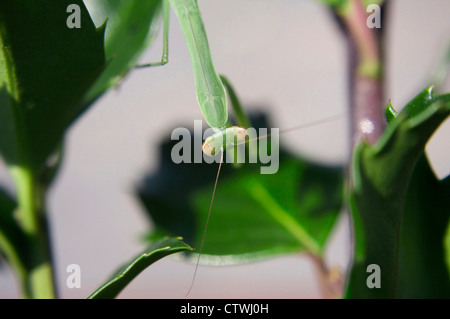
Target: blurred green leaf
{"type": "Point", "coordinates": [158, 250]}
{"type": "Point", "coordinates": [128, 21]}
{"type": "Point", "coordinates": [45, 69]}
{"type": "Point", "coordinates": [50, 74]}
{"type": "Point", "coordinates": [381, 175]}
{"type": "Point", "coordinates": [422, 268]}
{"type": "Point", "coordinates": [253, 215]}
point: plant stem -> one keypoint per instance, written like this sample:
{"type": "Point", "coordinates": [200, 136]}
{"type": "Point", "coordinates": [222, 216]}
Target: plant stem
{"type": "Point", "coordinates": [366, 81]}
{"type": "Point", "coordinates": [331, 280]}
{"type": "Point", "coordinates": [366, 74]}
{"type": "Point", "coordinates": [39, 282]}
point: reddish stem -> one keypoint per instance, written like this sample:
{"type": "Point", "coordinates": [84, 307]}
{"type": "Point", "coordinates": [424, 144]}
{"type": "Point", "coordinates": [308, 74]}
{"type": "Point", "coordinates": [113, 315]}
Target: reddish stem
{"type": "Point", "coordinates": [366, 79]}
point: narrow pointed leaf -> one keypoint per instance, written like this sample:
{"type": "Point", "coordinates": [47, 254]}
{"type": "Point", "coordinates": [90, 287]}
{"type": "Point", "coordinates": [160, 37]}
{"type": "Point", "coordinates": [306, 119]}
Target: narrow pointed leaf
{"type": "Point", "coordinates": [158, 250]}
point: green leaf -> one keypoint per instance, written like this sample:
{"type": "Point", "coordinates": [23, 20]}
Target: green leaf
{"type": "Point", "coordinates": [381, 175]}
{"type": "Point", "coordinates": [419, 103]}
{"type": "Point", "coordinates": [130, 29]}
{"type": "Point", "coordinates": [253, 215]}
{"type": "Point", "coordinates": [155, 252]}
{"type": "Point", "coordinates": [422, 268]}
{"type": "Point", "coordinates": [45, 69]}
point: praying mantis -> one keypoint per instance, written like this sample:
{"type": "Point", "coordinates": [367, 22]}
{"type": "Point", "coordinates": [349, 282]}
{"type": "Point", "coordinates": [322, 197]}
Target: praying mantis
{"type": "Point", "coordinates": [211, 89]}
{"type": "Point", "coordinates": [211, 94]}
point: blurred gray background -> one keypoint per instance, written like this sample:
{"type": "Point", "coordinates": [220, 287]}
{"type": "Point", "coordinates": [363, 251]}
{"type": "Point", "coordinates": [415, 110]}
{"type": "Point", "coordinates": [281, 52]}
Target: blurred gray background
{"type": "Point", "coordinates": [287, 56]}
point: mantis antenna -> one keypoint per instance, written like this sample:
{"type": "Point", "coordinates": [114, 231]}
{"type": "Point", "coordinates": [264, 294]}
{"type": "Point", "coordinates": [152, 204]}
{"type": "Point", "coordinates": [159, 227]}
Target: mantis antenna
{"type": "Point", "coordinates": [206, 226]}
